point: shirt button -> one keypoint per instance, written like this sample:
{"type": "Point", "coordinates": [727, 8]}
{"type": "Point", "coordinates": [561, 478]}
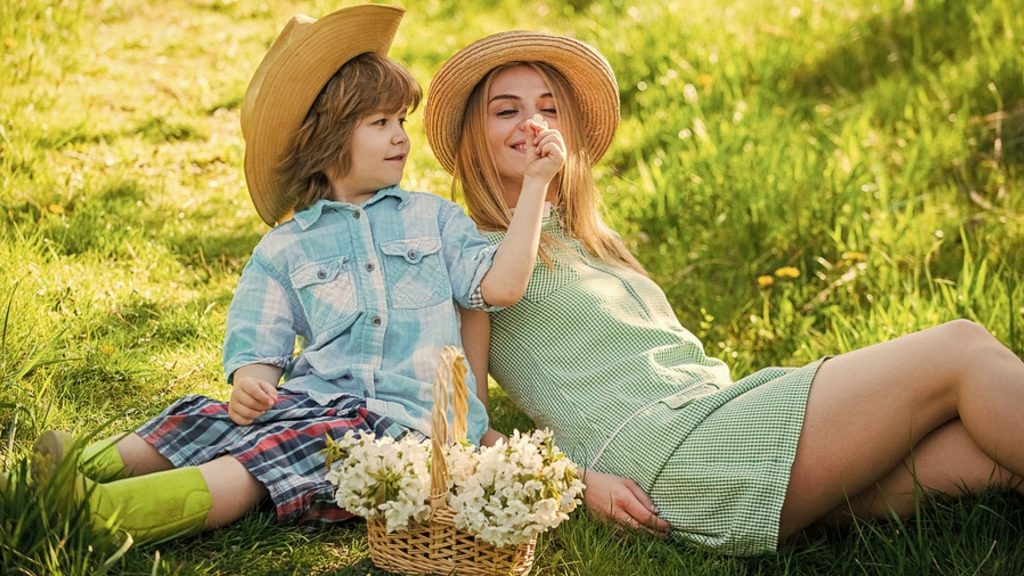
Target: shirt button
{"type": "Point", "coordinates": [321, 274]}
{"type": "Point", "coordinates": [376, 321]}
{"type": "Point", "coordinates": [356, 215]}
{"type": "Point", "coordinates": [370, 267]}
{"type": "Point", "coordinates": [411, 254]}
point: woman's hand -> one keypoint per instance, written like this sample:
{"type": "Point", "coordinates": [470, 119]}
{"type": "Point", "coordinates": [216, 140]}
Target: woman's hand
{"type": "Point", "coordinates": [622, 501]}
{"type": "Point", "coordinates": [491, 437]}
{"type": "Point", "coordinates": [545, 150]}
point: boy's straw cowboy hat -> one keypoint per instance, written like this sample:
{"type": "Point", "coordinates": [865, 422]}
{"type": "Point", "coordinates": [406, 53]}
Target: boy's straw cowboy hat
{"type": "Point", "coordinates": [589, 74]}
{"type": "Point", "coordinates": [304, 57]}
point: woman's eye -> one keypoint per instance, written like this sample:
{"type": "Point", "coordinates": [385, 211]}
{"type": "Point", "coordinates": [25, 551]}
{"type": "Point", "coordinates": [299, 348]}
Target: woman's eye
{"type": "Point", "coordinates": [550, 111]}
{"type": "Point", "coordinates": [506, 112]}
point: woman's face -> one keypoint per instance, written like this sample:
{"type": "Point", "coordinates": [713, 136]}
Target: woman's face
{"type": "Point", "coordinates": [515, 95]}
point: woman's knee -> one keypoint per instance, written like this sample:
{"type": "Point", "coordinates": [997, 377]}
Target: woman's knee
{"type": "Point", "coordinates": [966, 330]}
{"type": "Point", "coordinates": [967, 344]}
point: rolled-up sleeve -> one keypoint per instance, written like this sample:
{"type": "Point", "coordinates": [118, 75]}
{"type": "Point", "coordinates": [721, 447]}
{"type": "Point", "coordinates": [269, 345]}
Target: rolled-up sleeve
{"type": "Point", "coordinates": [260, 326]}
{"type": "Point", "coordinates": [468, 256]}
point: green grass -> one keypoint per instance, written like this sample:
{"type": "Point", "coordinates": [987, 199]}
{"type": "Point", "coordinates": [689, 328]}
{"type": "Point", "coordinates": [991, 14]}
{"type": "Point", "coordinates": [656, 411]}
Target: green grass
{"type": "Point", "coordinates": [874, 146]}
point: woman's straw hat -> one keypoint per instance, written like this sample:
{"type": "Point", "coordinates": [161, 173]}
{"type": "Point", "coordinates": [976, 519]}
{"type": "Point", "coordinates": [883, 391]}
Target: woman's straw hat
{"type": "Point", "coordinates": [304, 57]}
{"type": "Point", "coordinates": [587, 71]}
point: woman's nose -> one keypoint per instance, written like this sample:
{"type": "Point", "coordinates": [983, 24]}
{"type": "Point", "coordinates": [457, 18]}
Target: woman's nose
{"type": "Point", "coordinates": [524, 119]}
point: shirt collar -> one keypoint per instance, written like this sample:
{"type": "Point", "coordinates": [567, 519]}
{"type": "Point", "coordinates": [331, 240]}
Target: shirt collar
{"type": "Point", "coordinates": [310, 214]}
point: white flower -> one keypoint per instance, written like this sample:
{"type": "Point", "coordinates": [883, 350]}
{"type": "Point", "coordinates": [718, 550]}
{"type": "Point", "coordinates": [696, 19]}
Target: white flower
{"type": "Point", "coordinates": [521, 488]}
{"type": "Point", "coordinates": [381, 478]}
{"type": "Point", "coordinates": [503, 494]}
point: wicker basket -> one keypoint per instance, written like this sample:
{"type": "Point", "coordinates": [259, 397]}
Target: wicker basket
{"type": "Point", "coordinates": [436, 546]}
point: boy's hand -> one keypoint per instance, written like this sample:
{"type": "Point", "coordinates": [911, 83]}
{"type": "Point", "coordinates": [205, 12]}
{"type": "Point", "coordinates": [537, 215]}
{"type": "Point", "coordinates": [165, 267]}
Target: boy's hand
{"type": "Point", "coordinates": [250, 398]}
{"type": "Point", "coordinates": [545, 149]}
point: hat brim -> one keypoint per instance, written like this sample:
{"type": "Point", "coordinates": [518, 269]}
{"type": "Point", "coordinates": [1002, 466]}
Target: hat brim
{"type": "Point", "coordinates": [286, 84]}
{"type": "Point", "coordinates": [589, 74]}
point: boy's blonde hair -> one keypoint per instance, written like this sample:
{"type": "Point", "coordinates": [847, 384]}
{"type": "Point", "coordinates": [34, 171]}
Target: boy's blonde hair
{"type": "Point", "coordinates": [366, 84]}
{"type": "Point", "coordinates": [477, 175]}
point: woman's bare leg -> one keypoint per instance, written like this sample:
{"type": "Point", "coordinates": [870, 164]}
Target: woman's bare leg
{"type": "Point", "coordinates": [946, 462]}
{"type": "Point", "coordinates": [868, 409]}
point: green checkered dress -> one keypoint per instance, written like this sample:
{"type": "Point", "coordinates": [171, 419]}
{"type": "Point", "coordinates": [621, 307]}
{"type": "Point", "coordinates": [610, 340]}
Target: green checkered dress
{"type": "Point", "coordinates": [596, 354]}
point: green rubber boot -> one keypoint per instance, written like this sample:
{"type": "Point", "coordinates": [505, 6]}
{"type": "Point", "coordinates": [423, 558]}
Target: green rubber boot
{"type": "Point", "coordinates": [99, 460]}
{"type": "Point", "coordinates": [152, 507]}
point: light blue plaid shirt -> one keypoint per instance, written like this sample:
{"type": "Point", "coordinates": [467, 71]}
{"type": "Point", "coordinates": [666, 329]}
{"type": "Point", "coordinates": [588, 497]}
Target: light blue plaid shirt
{"type": "Point", "coordinates": [370, 293]}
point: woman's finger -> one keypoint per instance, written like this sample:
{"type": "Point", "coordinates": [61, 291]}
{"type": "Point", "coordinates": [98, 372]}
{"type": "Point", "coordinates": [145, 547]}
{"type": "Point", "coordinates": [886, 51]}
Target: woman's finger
{"type": "Point", "coordinates": [642, 496]}
{"type": "Point", "coordinates": [642, 517]}
{"type": "Point", "coordinates": [641, 508]}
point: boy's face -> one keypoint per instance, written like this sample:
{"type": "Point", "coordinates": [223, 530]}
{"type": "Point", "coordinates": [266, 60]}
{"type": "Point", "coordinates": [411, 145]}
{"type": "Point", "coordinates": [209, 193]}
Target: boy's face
{"type": "Point", "coordinates": [378, 151]}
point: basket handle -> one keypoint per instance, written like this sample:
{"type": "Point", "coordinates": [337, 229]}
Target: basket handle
{"type": "Point", "coordinates": [451, 372]}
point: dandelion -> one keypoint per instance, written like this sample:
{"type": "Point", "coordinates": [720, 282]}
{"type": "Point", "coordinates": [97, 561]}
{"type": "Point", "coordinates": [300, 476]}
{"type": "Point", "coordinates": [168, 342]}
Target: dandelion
{"type": "Point", "coordinates": [765, 281]}
{"type": "Point", "coordinates": [788, 272]}
{"type": "Point", "coordinates": [853, 256]}
{"type": "Point", "coordinates": [55, 209]}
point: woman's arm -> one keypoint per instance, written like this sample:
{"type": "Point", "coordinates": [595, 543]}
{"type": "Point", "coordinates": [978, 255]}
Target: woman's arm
{"type": "Point", "coordinates": [476, 341]}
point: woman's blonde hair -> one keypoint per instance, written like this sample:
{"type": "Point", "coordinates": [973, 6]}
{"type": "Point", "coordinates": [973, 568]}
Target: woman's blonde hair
{"type": "Point", "coordinates": [476, 175]}
{"type": "Point", "coordinates": [366, 84]}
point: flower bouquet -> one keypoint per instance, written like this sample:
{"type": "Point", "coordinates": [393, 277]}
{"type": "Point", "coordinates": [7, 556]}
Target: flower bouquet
{"type": "Point", "coordinates": [437, 508]}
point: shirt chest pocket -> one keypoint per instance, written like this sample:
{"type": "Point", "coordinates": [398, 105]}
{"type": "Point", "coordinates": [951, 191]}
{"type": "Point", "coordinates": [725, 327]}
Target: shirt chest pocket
{"type": "Point", "coordinates": [327, 294]}
{"type": "Point", "coordinates": [415, 272]}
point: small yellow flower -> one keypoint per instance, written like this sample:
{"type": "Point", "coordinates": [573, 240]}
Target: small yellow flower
{"type": "Point", "coordinates": [854, 256]}
{"type": "Point", "coordinates": [704, 80]}
{"type": "Point", "coordinates": [55, 209]}
{"type": "Point", "coordinates": [788, 272]}
{"type": "Point", "coordinates": [765, 281]}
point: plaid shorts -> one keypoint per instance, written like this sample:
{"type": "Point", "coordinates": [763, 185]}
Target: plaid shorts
{"type": "Point", "coordinates": [282, 449]}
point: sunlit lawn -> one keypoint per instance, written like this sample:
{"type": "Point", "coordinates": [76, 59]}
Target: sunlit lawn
{"type": "Point", "coordinates": [803, 177]}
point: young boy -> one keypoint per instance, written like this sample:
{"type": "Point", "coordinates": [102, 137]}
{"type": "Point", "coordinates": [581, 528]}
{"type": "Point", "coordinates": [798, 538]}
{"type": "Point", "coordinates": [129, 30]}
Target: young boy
{"type": "Point", "coordinates": [362, 274]}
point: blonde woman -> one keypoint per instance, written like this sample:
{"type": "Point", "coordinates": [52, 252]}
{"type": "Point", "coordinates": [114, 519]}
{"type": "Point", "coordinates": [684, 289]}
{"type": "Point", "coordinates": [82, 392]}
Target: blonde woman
{"type": "Point", "coordinates": [595, 352]}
